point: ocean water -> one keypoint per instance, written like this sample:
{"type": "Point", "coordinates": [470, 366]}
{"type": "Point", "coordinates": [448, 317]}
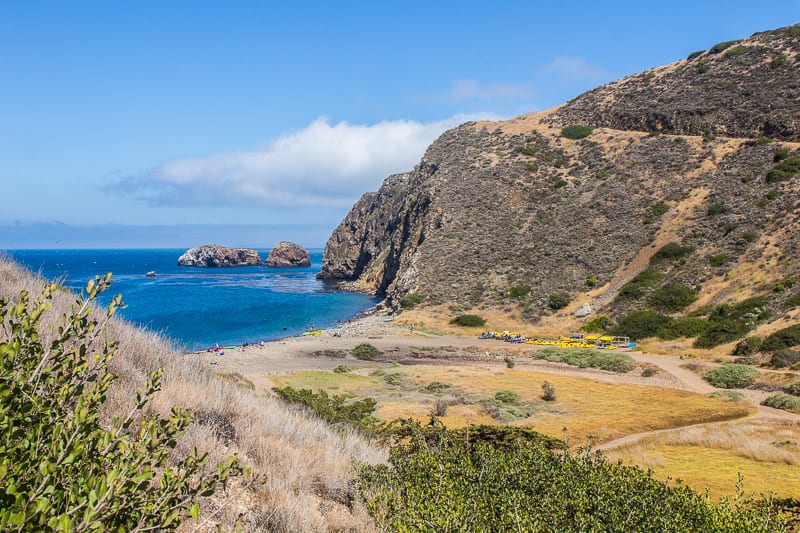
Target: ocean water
{"type": "Point", "coordinates": [203, 307]}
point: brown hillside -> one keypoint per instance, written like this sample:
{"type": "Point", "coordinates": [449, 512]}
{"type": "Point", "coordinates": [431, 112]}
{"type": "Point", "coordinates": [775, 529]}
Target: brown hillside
{"type": "Point", "coordinates": [517, 205]}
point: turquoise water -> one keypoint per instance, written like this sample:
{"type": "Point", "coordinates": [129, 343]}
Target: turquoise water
{"type": "Point", "coordinates": [201, 307]}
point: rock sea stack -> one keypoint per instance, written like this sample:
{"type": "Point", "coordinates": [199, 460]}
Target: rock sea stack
{"type": "Point", "coordinates": [212, 255]}
{"type": "Point", "coordinates": [288, 254]}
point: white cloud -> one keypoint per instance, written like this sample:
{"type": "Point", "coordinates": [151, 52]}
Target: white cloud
{"type": "Point", "coordinates": [323, 164]}
{"type": "Point", "coordinates": [463, 90]}
{"type": "Point", "coordinates": [577, 68]}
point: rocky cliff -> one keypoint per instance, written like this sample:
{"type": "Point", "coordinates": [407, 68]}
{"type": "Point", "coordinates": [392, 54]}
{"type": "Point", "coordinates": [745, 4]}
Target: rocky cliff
{"type": "Point", "coordinates": [288, 254]}
{"type": "Point", "coordinates": [212, 255]}
{"type": "Point", "coordinates": [702, 152]}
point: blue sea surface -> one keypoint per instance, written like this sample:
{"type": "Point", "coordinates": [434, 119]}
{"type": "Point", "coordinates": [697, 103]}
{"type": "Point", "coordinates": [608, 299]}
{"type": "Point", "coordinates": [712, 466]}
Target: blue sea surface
{"type": "Point", "coordinates": [202, 307]}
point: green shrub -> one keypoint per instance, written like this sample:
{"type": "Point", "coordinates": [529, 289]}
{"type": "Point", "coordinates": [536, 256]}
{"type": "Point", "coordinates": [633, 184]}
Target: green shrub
{"type": "Point", "coordinates": [747, 346]}
{"type": "Point", "coordinates": [779, 61]}
{"type": "Point", "coordinates": [727, 395]}
{"type": "Point", "coordinates": [793, 388]}
{"type": "Point", "coordinates": [658, 209]}
{"type": "Point", "coordinates": [558, 300]}
{"type": "Point", "coordinates": [717, 208]}
{"type": "Point", "coordinates": [732, 376]}
{"type": "Point", "coordinates": [335, 409]}
{"type": "Point", "coordinates": [365, 351]}
{"type": "Point", "coordinates": [506, 396]}
{"type": "Point", "coordinates": [641, 324]}
{"type": "Point", "coordinates": [783, 401]}
{"type": "Point", "coordinates": [438, 480]}
{"type": "Point", "coordinates": [718, 260]}
{"type": "Point", "coordinates": [719, 47]}
{"type": "Point", "coordinates": [790, 165]}
{"type": "Point", "coordinates": [592, 281]}
{"type": "Point", "coordinates": [649, 372]}
{"type": "Point", "coordinates": [411, 300]}
{"type": "Point", "coordinates": [672, 298]}
{"type": "Point", "coordinates": [735, 51]}
{"type": "Point", "coordinates": [599, 324]}
{"type": "Point", "coordinates": [682, 327]}
{"type": "Point", "coordinates": [694, 55]}
{"type": "Point", "coordinates": [672, 251]}
{"type": "Point", "coordinates": [560, 183]}
{"type": "Point", "coordinates": [469, 321]}
{"type": "Point", "coordinates": [343, 369]}
{"type": "Point", "coordinates": [746, 360]}
{"type": "Point", "coordinates": [636, 288]}
{"type": "Point", "coordinates": [437, 386]}
{"type": "Point", "coordinates": [509, 361]}
{"type": "Point", "coordinates": [780, 154]}
{"type": "Point", "coordinates": [517, 292]}
{"type": "Point", "coordinates": [576, 132]}
{"type": "Point", "coordinates": [727, 323]}
{"type": "Point", "coordinates": [783, 338]}
{"type": "Point", "coordinates": [750, 236]}
{"type": "Point", "coordinates": [776, 176]}
{"type": "Point", "coordinates": [63, 467]}
{"type": "Point", "coordinates": [587, 358]}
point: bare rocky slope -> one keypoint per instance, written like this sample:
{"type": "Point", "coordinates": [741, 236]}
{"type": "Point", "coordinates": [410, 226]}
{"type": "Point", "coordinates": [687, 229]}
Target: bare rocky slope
{"type": "Point", "coordinates": [701, 152]}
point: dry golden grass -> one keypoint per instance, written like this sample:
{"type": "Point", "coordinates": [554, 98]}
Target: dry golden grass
{"type": "Point", "coordinates": [766, 452]}
{"type": "Point", "coordinates": [602, 410]}
{"type": "Point", "coordinates": [300, 467]}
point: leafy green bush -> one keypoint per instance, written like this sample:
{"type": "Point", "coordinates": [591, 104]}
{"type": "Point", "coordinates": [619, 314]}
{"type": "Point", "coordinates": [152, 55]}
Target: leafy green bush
{"type": "Point", "coordinates": [343, 369]}
{"type": "Point", "coordinates": [672, 251]}
{"type": "Point", "coordinates": [718, 260]}
{"type": "Point", "coordinates": [719, 47]}
{"type": "Point", "coordinates": [411, 300]}
{"type": "Point", "coordinates": [599, 324]}
{"type": "Point", "coordinates": [672, 298]}
{"type": "Point", "coordinates": [592, 281]}
{"type": "Point", "coordinates": [750, 236]}
{"type": "Point", "coordinates": [558, 300]}
{"type": "Point", "coordinates": [747, 346]}
{"type": "Point", "coordinates": [517, 292]}
{"type": "Point", "coordinates": [658, 209]}
{"type": "Point", "coordinates": [336, 409]}
{"type": "Point", "coordinates": [694, 55]}
{"type": "Point", "coordinates": [436, 481]}
{"type": "Point", "coordinates": [735, 51]}
{"type": "Point", "coordinates": [793, 388]}
{"type": "Point", "coordinates": [506, 396]}
{"type": "Point", "coordinates": [784, 170]}
{"type": "Point", "coordinates": [783, 338]}
{"type": "Point", "coordinates": [437, 386]}
{"type": "Point", "coordinates": [560, 183]}
{"type": "Point", "coordinates": [780, 154]}
{"type": "Point", "coordinates": [548, 392]}
{"type": "Point", "coordinates": [682, 327]}
{"type": "Point", "coordinates": [587, 358]}
{"type": "Point", "coordinates": [727, 323]}
{"type": "Point", "coordinates": [469, 321]}
{"type": "Point", "coordinates": [779, 61]}
{"type": "Point", "coordinates": [777, 176]}
{"type": "Point", "coordinates": [717, 208]}
{"type": "Point", "coordinates": [576, 132]}
{"type": "Point", "coordinates": [365, 351]}
{"type": "Point", "coordinates": [783, 401]}
{"type": "Point", "coordinates": [63, 467]}
{"type": "Point", "coordinates": [636, 288]}
{"type": "Point", "coordinates": [732, 376]}
{"type": "Point", "coordinates": [640, 324]}
{"type": "Point", "coordinates": [509, 361]}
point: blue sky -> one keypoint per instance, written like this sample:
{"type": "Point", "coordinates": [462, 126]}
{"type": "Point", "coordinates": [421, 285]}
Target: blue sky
{"type": "Point", "coordinates": [257, 113]}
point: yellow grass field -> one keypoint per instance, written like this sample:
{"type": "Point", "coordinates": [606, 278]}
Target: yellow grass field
{"type": "Point", "coordinates": [586, 408]}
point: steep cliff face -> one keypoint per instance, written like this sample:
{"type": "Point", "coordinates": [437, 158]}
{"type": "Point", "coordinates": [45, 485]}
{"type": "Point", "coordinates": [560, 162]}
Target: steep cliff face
{"type": "Point", "coordinates": [493, 206]}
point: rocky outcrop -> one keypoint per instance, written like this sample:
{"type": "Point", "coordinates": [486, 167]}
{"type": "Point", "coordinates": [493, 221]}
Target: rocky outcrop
{"type": "Point", "coordinates": [288, 254]}
{"type": "Point", "coordinates": [212, 255]}
{"type": "Point", "coordinates": [747, 88]}
{"type": "Point", "coordinates": [494, 205]}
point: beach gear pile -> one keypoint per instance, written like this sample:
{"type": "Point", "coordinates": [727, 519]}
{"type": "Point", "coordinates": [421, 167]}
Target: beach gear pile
{"type": "Point", "coordinates": [602, 342]}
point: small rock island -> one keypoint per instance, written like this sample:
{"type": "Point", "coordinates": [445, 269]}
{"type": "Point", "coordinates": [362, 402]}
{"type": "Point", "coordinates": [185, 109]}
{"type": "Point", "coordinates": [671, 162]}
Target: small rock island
{"type": "Point", "coordinates": [288, 254]}
{"type": "Point", "coordinates": [212, 255]}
